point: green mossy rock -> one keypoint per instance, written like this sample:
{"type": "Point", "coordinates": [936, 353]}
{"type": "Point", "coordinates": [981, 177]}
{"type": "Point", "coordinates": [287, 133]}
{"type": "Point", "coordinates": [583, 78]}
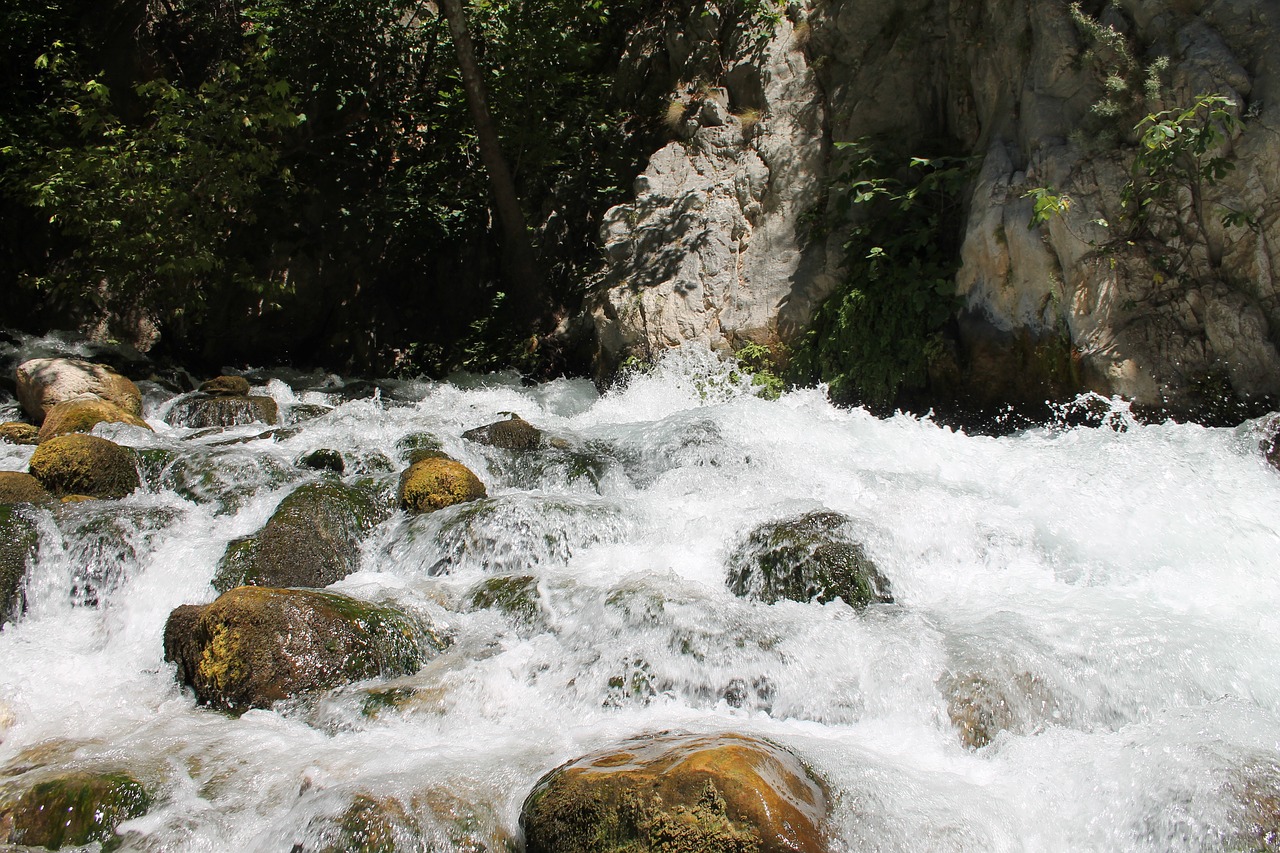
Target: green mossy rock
{"type": "Point", "coordinates": [202, 411]}
{"type": "Point", "coordinates": [435, 483]}
{"type": "Point", "coordinates": [311, 540]}
{"type": "Point", "coordinates": [225, 386]}
{"type": "Point", "coordinates": [16, 432]}
{"type": "Point", "coordinates": [72, 809]}
{"type": "Point", "coordinates": [19, 488]}
{"type": "Point", "coordinates": [256, 646]}
{"type": "Point", "coordinates": [82, 415]}
{"type": "Point", "coordinates": [516, 596]}
{"type": "Point", "coordinates": [514, 433]}
{"type": "Point", "coordinates": [679, 794]}
{"type": "Point", "coordinates": [85, 465]}
{"type": "Point", "coordinates": [809, 558]}
{"type": "Point", "coordinates": [323, 460]}
{"type": "Point", "coordinates": [18, 542]}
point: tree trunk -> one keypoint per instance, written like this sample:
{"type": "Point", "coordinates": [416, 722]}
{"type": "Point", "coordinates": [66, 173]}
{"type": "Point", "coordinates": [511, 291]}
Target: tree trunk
{"type": "Point", "coordinates": [520, 270]}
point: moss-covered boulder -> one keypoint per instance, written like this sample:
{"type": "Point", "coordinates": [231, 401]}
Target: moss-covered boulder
{"type": "Point", "coordinates": [201, 411]}
{"type": "Point", "coordinates": [515, 433]}
{"type": "Point", "coordinates": [45, 382]}
{"type": "Point", "coordinates": [311, 540]}
{"type": "Point", "coordinates": [82, 415]}
{"type": "Point", "coordinates": [516, 596]}
{"type": "Point", "coordinates": [16, 432]}
{"type": "Point", "coordinates": [808, 558]}
{"type": "Point", "coordinates": [17, 487]}
{"type": "Point", "coordinates": [323, 459]}
{"type": "Point", "coordinates": [435, 483]}
{"type": "Point", "coordinates": [70, 809]}
{"type": "Point", "coordinates": [255, 646]}
{"type": "Point", "coordinates": [85, 465]}
{"type": "Point", "coordinates": [679, 794]}
{"type": "Point", "coordinates": [18, 542]}
{"type": "Point", "coordinates": [225, 386]}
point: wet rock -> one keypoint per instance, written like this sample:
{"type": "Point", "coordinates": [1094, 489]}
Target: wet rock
{"type": "Point", "coordinates": [809, 558]}
{"type": "Point", "coordinates": [1270, 443]}
{"type": "Point", "coordinates": [311, 540]}
{"type": "Point", "coordinates": [18, 542]}
{"type": "Point", "coordinates": [103, 541]}
{"type": "Point", "coordinates": [679, 794]}
{"type": "Point", "coordinates": [980, 706]}
{"type": "Point", "coordinates": [420, 445]}
{"type": "Point", "coordinates": [19, 488]}
{"type": "Point", "coordinates": [225, 386]}
{"type": "Point", "coordinates": [224, 478]}
{"type": "Point", "coordinates": [71, 809]}
{"type": "Point", "coordinates": [85, 465]}
{"type": "Point", "coordinates": [432, 820]}
{"type": "Point", "coordinates": [82, 415]}
{"type": "Point", "coordinates": [45, 382]}
{"type": "Point", "coordinates": [516, 596]}
{"type": "Point", "coordinates": [255, 646]}
{"type": "Point", "coordinates": [435, 483]}
{"type": "Point", "coordinates": [515, 433]}
{"type": "Point", "coordinates": [201, 411]}
{"type": "Point", "coordinates": [16, 432]}
{"type": "Point", "coordinates": [323, 460]}
{"type": "Point", "coordinates": [302, 412]}
{"type": "Point", "coordinates": [1256, 789]}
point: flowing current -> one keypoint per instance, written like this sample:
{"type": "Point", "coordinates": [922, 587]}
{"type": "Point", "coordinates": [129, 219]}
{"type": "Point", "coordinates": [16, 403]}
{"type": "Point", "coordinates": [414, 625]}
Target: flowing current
{"type": "Point", "coordinates": [1112, 593]}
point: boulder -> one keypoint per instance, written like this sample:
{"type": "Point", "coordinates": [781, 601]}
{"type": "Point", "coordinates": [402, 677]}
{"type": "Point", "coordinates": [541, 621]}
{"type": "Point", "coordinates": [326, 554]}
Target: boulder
{"type": "Point", "coordinates": [417, 446]}
{"type": "Point", "coordinates": [437, 482]}
{"type": "Point", "coordinates": [72, 809]}
{"type": "Point", "coordinates": [81, 415]}
{"type": "Point", "coordinates": [255, 646]}
{"type": "Point", "coordinates": [19, 488]}
{"type": "Point", "coordinates": [323, 460]}
{"type": "Point", "coordinates": [225, 386]}
{"type": "Point", "coordinates": [45, 382]}
{"type": "Point", "coordinates": [18, 542]}
{"type": "Point", "coordinates": [16, 432]}
{"type": "Point", "coordinates": [311, 540]}
{"type": "Point", "coordinates": [679, 794]}
{"type": "Point", "coordinates": [201, 411]}
{"type": "Point", "coordinates": [384, 824]}
{"type": "Point", "coordinates": [515, 433]}
{"type": "Point", "coordinates": [513, 595]}
{"type": "Point", "coordinates": [85, 465]}
{"type": "Point", "coordinates": [807, 558]}
{"type": "Point", "coordinates": [980, 706]}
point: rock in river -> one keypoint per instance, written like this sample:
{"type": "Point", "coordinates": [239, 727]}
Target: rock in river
{"type": "Point", "coordinates": [81, 415]}
{"type": "Point", "coordinates": [435, 483]}
{"type": "Point", "coordinates": [45, 382]}
{"type": "Point", "coordinates": [71, 809]}
{"type": "Point", "coordinates": [85, 465]}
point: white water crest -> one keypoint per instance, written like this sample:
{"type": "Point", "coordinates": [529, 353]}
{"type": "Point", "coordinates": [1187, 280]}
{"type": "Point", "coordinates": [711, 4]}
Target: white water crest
{"type": "Point", "coordinates": [1117, 589]}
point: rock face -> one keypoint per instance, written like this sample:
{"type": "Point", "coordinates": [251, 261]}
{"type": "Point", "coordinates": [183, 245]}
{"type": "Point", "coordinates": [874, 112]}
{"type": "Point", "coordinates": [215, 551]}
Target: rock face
{"type": "Point", "coordinates": [201, 411]}
{"type": "Point", "coordinates": [678, 794]}
{"type": "Point", "coordinates": [45, 382]}
{"type": "Point", "coordinates": [809, 558]}
{"type": "Point", "coordinates": [515, 433]}
{"type": "Point", "coordinates": [254, 646]}
{"type": "Point", "coordinates": [72, 809]}
{"type": "Point", "coordinates": [311, 540]}
{"type": "Point", "coordinates": [81, 415]}
{"type": "Point", "coordinates": [435, 483]}
{"type": "Point", "coordinates": [85, 465]}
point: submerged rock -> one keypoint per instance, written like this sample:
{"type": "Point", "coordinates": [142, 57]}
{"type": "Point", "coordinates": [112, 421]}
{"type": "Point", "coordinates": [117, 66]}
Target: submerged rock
{"type": "Point", "coordinates": [85, 465]}
{"type": "Point", "coordinates": [323, 460]}
{"type": "Point", "coordinates": [311, 540]}
{"type": "Point", "coordinates": [225, 386]}
{"type": "Point", "coordinates": [16, 432]}
{"type": "Point", "coordinates": [385, 824]}
{"type": "Point", "coordinates": [679, 794]}
{"type": "Point", "coordinates": [435, 483]}
{"type": "Point", "coordinates": [255, 646]}
{"type": "Point", "coordinates": [45, 382]}
{"type": "Point", "coordinates": [515, 433]}
{"type": "Point", "coordinates": [226, 478]}
{"type": "Point", "coordinates": [82, 415]}
{"type": "Point", "coordinates": [17, 487]}
{"type": "Point", "coordinates": [809, 558]}
{"type": "Point", "coordinates": [980, 706]}
{"type": "Point", "coordinates": [516, 596]}
{"type": "Point", "coordinates": [18, 542]}
{"type": "Point", "coordinates": [71, 809]}
{"type": "Point", "coordinates": [417, 446]}
{"type": "Point", "coordinates": [201, 411]}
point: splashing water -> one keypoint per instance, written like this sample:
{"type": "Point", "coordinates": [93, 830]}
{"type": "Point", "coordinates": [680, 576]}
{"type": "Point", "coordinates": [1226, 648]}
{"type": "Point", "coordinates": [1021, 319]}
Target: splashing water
{"type": "Point", "coordinates": [1082, 654]}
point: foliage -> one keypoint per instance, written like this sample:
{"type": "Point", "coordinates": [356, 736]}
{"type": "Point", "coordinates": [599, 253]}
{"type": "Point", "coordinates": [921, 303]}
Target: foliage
{"type": "Point", "coordinates": [760, 363]}
{"type": "Point", "coordinates": [872, 337]}
{"type": "Point", "coordinates": [1047, 204]}
{"type": "Point", "coordinates": [1128, 88]}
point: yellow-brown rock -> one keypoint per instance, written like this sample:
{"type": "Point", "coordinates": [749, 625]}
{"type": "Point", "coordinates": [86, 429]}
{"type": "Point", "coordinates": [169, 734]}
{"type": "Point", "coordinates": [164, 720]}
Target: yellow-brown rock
{"type": "Point", "coordinates": [679, 794]}
{"type": "Point", "coordinates": [16, 432]}
{"type": "Point", "coordinates": [45, 382]}
{"type": "Point", "coordinates": [432, 484]}
{"type": "Point", "coordinates": [226, 386]}
{"type": "Point", "coordinates": [82, 415]}
{"type": "Point", "coordinates": [19, 488]}
{"type": "Point", "coordinates": [84, 465]}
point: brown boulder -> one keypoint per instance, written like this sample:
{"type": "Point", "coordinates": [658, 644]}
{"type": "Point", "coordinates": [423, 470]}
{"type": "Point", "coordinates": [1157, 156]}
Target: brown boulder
{"type": "Point", "coordinates": [435, 483]}
{"type": "Point", "coordinates": [202, 411]}
{"type": "Point", "coordinates": [82, 414]}
{"type": "Point", "coordinates": [45, 382]}
{"type": "Point", "coordinates": [19, 488]}
{"type": "Point", "coordinates": [85, 465]}
{"type": "Point", "coordinates": [515, 433]}
{"type": "Point", "coordinates": [16, 432]}
{"type": "Point", "coordinates": [226, 386]}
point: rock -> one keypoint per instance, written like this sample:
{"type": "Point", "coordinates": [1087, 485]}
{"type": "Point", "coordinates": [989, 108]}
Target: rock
{"type": "Point", "coordinates": [19, 540]}
{"type": "Point", "coordinates": [201, 411]}
{"type": "Point", "coordinates": [515, 433]}
{"type": "Point", "coordinates": [225, 386]}
{"type": "Point", "coordinates": [382, 824]}
{"type": "Point", "coordinates": [980, 706]}
{"type": "Point", "coordinates": [102, 542]}
{"type": "Point", "coordinates": [435, 483]}
{"type": "Point", "coordinates": [420, 445]}
{"type": "Point", "coordinates": [1256, 788]}
{"type": "Point", "coordinates": [1270, 443]}
{"type": "Point", "coordinates": [255, 646]}
{"type": "Point", "coordinates": [45, 382]}
{"type": "Point", "coordinates": [225, 478]}
{"type": "Point", "coordinates": [311, 540]}
{"type": "Point", "coordinates": [72, 809]}
{"type": "Point", "coordinates": [19, 488]}
{"type": "Point", "coordinates": [679, 794]}
{"type": "Point", "coordinates": [85, 465]}
{"type": "Point", "coordinates": [302, 412]}
{"type": "Point", "coordinates": [323, 460]}
{"type": "Point", "coordinates": [82, 414]}
{"type": "Point", "coordinates": [516, 596]}
{"type": "Point", "coordinates": [809, 558]}
{"type": "Point", "coordinates": [16, 432]}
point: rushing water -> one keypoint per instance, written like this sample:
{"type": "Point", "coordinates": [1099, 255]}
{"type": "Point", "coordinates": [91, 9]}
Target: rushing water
{"type": "Point", "coordinates": [1120, 587]}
